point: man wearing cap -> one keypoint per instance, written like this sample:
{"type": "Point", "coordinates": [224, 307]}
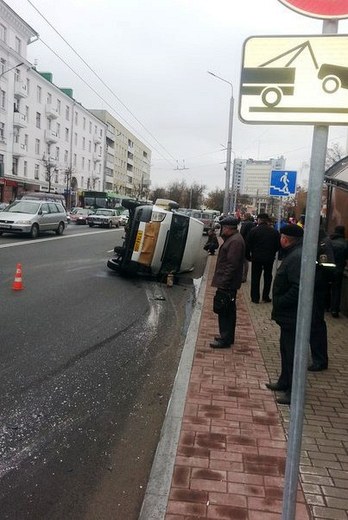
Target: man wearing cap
{"type": "Point", "coordinates": [261, 246]}
{"type": "Point", "coordinates": [228, 279]}
{"type": "Point", "coordinates": [285, 300]}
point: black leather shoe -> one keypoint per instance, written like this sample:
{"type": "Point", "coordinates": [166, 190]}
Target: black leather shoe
{"type": "Point", "coordinates": [267, 300]}
{"type": "Point", "coordinates": [217, 338]}
{"type": "Point", "coordinates": [276, 387]}
{"type": "Point", "coordinates": [317, 368]}
{"type": "Point", "coordinates": [219, 344]}
{"type": "Point", "coordinates": [286, 399]}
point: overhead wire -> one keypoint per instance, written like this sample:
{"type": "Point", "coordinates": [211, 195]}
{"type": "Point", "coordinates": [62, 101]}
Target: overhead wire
{"type": "Point", "coordinates": [103, 82]}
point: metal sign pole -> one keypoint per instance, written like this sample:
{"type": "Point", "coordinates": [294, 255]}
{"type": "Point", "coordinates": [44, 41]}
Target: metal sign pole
{"type": "Point", "coordinates": [304, 313]}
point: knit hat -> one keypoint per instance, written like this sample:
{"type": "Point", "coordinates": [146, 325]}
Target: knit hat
{"type": "Point", "coordinates": [229, 221]}
{"type": "Point", "coordinates": [292, 230]}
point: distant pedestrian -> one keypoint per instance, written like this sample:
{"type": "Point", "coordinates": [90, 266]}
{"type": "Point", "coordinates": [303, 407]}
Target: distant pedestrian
{"type": "Point", "coordinates": [262, 244]}
{"type": "Point", "coordinates": [247, 224]}
{"type": "Point", "coordinates": [212, 244]}
{"type": "Point", "coordinates": [227, 279]}
{"type": "Point", "coordinates": [285, 301]}
{"type": "Point", "coordinates": [340, 250]}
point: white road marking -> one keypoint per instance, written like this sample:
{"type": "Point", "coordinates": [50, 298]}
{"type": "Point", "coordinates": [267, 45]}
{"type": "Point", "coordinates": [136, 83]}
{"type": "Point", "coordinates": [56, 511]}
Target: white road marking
{"type": "Point", "coordinates": [41, 240]}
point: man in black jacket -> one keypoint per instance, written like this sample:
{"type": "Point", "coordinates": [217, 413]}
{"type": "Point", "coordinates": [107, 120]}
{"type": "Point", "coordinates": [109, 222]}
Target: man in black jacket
{"type": "Point", "coordinates": [340, 251]}
{"type": "Point", "coordinates": [285, 300]}
{"type": "Point", "coordinates": [262, 243]}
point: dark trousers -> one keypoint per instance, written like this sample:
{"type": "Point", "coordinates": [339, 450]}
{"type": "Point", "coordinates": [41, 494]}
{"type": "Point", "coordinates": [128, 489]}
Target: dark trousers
{"type": "Point", "coordinates": [336, 290]}
{"type": "Point", "coordinates": [256, 271]}
{"type": "Point", "coordinates": [287, 351]}
{"type": "Point", "coordinates": [318, 337]}
{"type": "Point", "coordinates": [227, 321]}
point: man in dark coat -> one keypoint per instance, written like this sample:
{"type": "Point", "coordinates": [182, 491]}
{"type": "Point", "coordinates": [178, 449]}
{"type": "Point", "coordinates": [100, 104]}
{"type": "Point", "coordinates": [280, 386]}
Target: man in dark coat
{"type": "Point", "coordinates": [285, 300]}
{"type": "Point", "coordinates": [262, 244]}
{"type": "Point", "coordinates": [228, 279]}
{"type": "Point", "coordinates": [247, 225]}
{"type": "Point", "coordinates": [340, 251]}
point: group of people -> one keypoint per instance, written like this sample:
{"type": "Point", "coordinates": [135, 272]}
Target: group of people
{"type": "Point", "coordinates": [258, 243]}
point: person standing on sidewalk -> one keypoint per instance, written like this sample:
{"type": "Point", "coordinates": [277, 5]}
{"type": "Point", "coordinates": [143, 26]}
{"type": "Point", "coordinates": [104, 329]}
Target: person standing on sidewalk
{"type": "Point", "coordinates": [285, 300]}
{"type": "Point", "coordinates": [340, 251]}
{"type": "Point", "coordinates": [247, 225]}
{"type": "Point", "coordinates": [228, 279]}
{"type": "Point", "coordinates": [262, 244]}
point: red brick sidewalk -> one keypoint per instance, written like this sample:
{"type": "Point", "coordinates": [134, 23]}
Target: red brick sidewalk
{"type": "Point", "coordinates": [230, 459]}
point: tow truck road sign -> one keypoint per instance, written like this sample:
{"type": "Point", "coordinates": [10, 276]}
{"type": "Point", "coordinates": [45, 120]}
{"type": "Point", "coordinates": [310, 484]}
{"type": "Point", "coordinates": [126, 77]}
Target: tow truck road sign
{"type": "Point", "coordinates": [295, 79]}
{"type": "Point", "coordinates": [282, 183]}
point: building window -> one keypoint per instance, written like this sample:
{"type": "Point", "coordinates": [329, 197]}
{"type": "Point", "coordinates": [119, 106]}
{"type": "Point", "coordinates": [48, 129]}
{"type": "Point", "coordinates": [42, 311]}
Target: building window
{"type": "Point", "coordinates": [58, 129]}
{"type": "Point", "coordinates": [2, 65]}
{"type": "Point", "coordinates": [38, 94]}
{"type": "Point", "coordinates": [67, 113]}
{"type": "Point", "coordinates": [84, 123]}
{"type": "Point", "coordinates": [38, 120]}
{"type": "Point", "coordinates": [67, 135]}
{"type": "Point", "coordinates": [83, 143]}
{"type": "Point", "coordinates": [37, 146]}
{"type": "Point", "coordinates": [56, 176]}
{"type": "Point", "coordinates": [76, 118]}
{"type": "Point", "coordinates": [36, 171]}
{"type": "Point", "coordinates": [49, 98]}
{"type": "Point", "coordinates": [27, 114]}
{"type": "Point", "coordinates": [15, 166]}
{"type": "Point", "coordinates": [28, 86]}
{"type": "Point", "coordinates": [25, 169]}
{"type": "Point", "coordinates": [89, 165]}
{"type": "Point", "coordinates": [58, 106]}
{"type": "Point", "coordinates": [75, 138]}
{"type": "Point", "coordinates": [3, 99]}
{"type": "Point", "coordinates": [49, 124]}
{"type": "Point", "coordinates": [3, 32]}
{"type": "Point", "coordinates": [90, 127]}
{"type": "Point", "coordinates": [18, 45]}
{"type": "Point", "coordinates": [145, 155]}
{"type": "Point", "coordinates": [2, 131]}
{"type": "Point", "coordinates": [66, 156]}
{"type": "Point", "coordinates": [57, 153]}
{"type": "Point", "coordinates": [89, 146]}
{"type": "Point", "coordinates": [83, 163]}
{"type": "Point", "coordinates": [26, 141]}
{"type": "Point", "coordinates": [75, 159]}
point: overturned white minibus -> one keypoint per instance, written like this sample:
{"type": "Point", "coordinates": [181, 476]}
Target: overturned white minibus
{"type": "Point", "coordinates": [158, 240]}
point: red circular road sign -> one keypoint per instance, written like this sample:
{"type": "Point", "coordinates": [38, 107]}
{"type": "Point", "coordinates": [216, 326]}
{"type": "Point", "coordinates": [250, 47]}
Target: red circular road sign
{"type": "Point", "coordinates": [319, 8]}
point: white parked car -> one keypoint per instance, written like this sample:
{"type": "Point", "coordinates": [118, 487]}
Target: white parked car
{"type": "Point", "coordinates": [104, 218]}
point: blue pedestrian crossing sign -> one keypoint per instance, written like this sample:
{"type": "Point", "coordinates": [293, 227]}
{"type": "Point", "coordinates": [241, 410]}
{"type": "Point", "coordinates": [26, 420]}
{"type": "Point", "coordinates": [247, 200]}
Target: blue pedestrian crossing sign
{"type": "Point", "coordinates": [282, 183]}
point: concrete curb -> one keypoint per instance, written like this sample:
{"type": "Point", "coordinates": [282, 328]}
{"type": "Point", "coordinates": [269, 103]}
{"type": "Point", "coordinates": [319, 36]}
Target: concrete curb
{"type": "Point", "coordinates": [157, 492]}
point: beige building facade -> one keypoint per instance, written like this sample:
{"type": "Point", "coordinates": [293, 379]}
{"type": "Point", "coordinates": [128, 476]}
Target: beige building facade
{"type": "Point", "coordinates": [127, 159]}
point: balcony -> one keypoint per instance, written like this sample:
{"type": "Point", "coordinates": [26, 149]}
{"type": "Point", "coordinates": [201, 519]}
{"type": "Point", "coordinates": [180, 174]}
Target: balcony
{"type": "Point", "coordinates": [110, 164]}
{"type": "Point", "coordinates": [51, 112]}
{"type": "Point", "coordinates": [96, 139]}
{"type": "Point", "coordinates": [50, 136]}
{"type": "Point", "coordinates": [19, 120]}
{"type": "Point", "coordinates": [110, 135]}
{"type": "Point", "coordinates": [97, 157]}
{"type": "Point", "coordinates": [19, 149]}
{"type": "Point", "coordinates": [20, 89]}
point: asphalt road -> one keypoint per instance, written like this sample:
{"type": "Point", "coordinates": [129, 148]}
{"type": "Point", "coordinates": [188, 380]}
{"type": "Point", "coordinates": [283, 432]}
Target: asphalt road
{"type": "Point", "coordinates": [87, 362]}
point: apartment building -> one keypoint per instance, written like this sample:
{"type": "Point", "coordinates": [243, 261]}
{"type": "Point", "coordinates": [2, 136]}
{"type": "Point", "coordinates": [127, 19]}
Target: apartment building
{"type": "Point", "coordinates": [48, 141]}
{"type": "Point", "coordinates": [255, 175]}
{"type": "Point", "coordinates": [127, 161]}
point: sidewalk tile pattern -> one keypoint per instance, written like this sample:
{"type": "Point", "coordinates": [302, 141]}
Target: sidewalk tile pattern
{"type": "Point", "coordinates": [230, 460]}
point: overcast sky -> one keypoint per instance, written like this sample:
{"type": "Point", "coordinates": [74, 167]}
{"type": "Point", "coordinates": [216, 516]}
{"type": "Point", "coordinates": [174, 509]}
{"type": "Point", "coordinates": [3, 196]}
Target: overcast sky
{"type": "Point", "coordinates": [154, 56]}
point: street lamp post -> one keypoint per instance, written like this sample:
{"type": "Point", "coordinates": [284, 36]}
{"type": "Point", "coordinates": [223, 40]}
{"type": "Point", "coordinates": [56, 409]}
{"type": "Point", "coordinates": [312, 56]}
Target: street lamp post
{"type": "Point", "coordinates": [226, 206]}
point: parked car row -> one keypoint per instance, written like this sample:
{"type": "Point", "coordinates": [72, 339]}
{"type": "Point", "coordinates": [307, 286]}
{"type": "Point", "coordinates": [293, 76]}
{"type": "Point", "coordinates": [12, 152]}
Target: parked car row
{"type": "Point", "coordinates": [32, 216]}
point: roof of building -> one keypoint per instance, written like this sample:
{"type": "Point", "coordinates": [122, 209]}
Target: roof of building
{"type": "Point", "coordinates": [337, 174]}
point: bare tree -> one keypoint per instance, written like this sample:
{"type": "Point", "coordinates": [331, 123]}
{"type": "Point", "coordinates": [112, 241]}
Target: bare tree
{"type": "Point", "coordinates": [333, 155]}
{"type": "Point", "coordinates": [49, 166]}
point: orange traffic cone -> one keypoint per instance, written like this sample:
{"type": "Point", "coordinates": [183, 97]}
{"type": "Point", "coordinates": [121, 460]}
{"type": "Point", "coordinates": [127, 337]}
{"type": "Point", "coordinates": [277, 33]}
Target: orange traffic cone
{"type": "Point", "coordinates": [18, 284]}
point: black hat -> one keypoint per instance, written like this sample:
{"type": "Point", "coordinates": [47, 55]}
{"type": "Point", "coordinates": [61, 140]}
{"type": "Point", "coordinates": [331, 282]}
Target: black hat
{"type": "Point", "coordinates": [229, 221]}
{"type": "Point", "coordinates": [292, 230]}
{"type": "Point", "coordinates": [263, 216]}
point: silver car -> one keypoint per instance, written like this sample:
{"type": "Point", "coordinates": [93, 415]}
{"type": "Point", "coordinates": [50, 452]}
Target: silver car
{"type": "Point", "coordinates": [104, 217]}
{"type": "Point", "coordinates": [33, 216]}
